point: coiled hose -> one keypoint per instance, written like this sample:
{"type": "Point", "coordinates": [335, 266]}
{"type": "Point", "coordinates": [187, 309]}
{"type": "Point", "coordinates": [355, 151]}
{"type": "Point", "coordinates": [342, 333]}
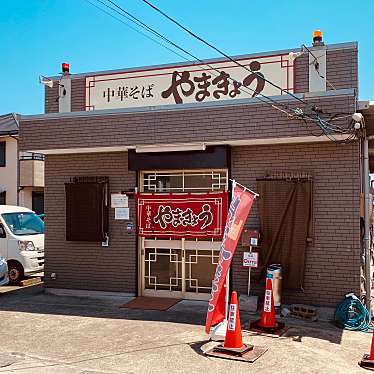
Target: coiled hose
{"type": "Point", "coordinates": [351, 314]}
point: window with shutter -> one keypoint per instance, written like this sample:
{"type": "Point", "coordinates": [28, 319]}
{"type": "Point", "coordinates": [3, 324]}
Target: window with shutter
{"type": "Point", "coordinates": [87, 209]}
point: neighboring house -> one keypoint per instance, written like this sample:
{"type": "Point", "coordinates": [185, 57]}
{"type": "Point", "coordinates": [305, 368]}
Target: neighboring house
{"type": "Point", "coordinates": [21, 173]}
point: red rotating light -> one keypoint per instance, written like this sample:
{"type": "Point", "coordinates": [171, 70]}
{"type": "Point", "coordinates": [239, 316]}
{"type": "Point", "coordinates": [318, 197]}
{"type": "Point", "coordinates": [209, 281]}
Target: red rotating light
{"type": "Point", "coordinates": [65, 67]}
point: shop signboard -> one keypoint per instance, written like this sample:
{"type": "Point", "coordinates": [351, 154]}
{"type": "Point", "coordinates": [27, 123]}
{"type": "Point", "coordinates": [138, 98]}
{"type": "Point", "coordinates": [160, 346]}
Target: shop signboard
{"type": "Point", "coordinates": [193, 83]}
{"type": "Point", "coordinates": [182, 215]}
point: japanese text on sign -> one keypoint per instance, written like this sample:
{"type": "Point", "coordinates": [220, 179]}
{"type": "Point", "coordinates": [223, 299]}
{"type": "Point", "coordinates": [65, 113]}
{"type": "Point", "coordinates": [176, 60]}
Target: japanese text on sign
{"type": "Point", "coordinates": [205, 85]}
{"type": "Point", "coordinates": [232, 318]}
{"type": "Point", "coordinates": [267, 301]}
{"type": "Point", "coordinates": [195, 215]}
{"type": "Point", "coordinates": [191, 83]}
{"type": "Point", "coordinates": [123, 93]}
{"type": "Point", "coordinates": [185, 217]}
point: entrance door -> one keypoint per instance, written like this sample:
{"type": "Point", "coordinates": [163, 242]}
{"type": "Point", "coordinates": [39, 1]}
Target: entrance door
{"type": "Point", "coordinates": [179, 268]}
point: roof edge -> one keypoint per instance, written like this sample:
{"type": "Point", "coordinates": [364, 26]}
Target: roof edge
{"type": "Point", "coordinates": [336, 46]}
{"type": "Point", "coordinates": [191, 106]}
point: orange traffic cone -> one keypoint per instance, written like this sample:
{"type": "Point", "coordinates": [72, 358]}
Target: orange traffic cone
{"type": "Point", "coordinates": [233, 348]}
{"type": "Point", "coordinates": [233, 339]}
{"type": "Point", "coordinates": [268, 323]}
{"type": "Point", "coordinates": [268, 312]}
{"type": "Point", "coordinates": [233, 344]}
{"type": "Point", "coordinates": [368, 360]}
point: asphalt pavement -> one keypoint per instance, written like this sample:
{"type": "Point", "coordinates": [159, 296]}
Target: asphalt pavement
{"type": "Point", "coordinates": [41, 333]}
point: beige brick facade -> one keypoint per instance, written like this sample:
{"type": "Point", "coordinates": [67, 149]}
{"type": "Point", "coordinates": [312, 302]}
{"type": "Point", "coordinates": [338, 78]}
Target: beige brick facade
{"type": "Point", "coordinates": [332, 259]}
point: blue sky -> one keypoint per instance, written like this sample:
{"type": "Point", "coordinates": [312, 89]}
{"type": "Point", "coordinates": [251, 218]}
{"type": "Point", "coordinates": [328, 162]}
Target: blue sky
{"type": "Point", "coordinates": [36, 36]}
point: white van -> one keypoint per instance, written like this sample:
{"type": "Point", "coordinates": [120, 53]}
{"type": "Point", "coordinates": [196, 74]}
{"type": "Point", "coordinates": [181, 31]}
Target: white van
{"type": "Point", "coordinates": [21, 241]}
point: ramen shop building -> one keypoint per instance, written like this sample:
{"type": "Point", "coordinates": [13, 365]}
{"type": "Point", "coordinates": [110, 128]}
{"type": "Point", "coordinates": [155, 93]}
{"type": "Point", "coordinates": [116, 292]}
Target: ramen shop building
{"type": "Point", "coordinates": [164, 141]}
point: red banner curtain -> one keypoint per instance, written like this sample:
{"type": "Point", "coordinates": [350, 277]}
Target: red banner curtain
{"type": "Point", "coordinates": [182, 215]}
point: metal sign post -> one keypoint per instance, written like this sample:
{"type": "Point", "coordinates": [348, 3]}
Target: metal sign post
{"type": "Point", "coordinates": [250, 260]}
{"type": "Point", "coordinates": [249, 274]}
{"type": "Point", "coordinates": [227, 295]}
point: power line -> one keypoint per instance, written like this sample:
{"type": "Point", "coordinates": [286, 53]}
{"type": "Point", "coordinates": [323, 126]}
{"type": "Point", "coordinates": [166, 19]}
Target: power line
{"type": "Point", "coordinates": [138, 22]}
{"type": "Point", "coordinates": [133, 28]}
{"type": "Point", "coordinates": [220, 51]}
{"type": "Point", "coordinates": [326, 127]}
{"type": "Point", "coordinates": [150, 29]}
{"type": "Point", "coordinates": [141, 24]}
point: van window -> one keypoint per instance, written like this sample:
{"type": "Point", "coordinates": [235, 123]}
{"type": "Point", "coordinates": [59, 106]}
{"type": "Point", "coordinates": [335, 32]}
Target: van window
{"type": "Point", "coordinates": [24, 223]}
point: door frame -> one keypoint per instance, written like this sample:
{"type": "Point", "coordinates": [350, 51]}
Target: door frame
{"type": "Point", "coordinates": [141, 240]}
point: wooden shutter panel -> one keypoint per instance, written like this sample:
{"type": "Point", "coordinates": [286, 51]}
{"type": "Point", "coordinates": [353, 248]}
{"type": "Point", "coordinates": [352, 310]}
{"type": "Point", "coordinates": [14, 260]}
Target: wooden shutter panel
{"type": "Point", "coordinates": [86, 211]}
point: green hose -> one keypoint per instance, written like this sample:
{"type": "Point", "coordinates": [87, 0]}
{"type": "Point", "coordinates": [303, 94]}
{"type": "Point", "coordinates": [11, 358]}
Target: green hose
{"type": "Point", "coordinates": [351, 314]}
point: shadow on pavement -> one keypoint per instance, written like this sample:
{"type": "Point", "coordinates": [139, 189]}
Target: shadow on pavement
{"type": "Point", "coordinates": [196, 346]}
{"type": "Point", "coordinates": [41, 303]}
{"type": "Point", "coordinates": [184, 312]}
{"type": "Point", "coordinates": [328, 332]}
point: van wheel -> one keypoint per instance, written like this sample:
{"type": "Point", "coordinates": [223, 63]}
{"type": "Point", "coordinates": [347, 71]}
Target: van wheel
{"type": "Point", "coordinates": [16, 272]}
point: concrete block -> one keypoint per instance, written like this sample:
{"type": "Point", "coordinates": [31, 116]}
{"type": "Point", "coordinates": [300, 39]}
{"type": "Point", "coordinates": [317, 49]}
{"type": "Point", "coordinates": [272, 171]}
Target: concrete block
{"type": "Point", "coordinates": [248, 303]}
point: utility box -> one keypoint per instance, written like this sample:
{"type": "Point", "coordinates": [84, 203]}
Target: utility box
{"type": "Point", "coordinates": [276, 271]}
{"type": "Point", "coordinates": [250, 238]}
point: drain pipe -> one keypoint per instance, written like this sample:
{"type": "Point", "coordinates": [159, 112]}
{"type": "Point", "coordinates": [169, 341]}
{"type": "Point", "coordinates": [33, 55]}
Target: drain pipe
{"type": "Point", "coordinates": [15, 117]}
{"type": "Point", "coordinates": [18, 167]}
{"type": "Point", "coordinates": [367, 223]}
{"type": "Point", "coordinates": [367, 227]}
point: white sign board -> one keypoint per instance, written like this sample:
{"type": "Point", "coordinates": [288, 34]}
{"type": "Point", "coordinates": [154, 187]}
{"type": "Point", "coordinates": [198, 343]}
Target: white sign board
{"type": "Point", "coordinates": [119, 200]}
{"type": "Point", "coordinates": [122, 213]}
{"type": "Point", "coordinates": [190, 83]}
{"type": "Point", "coordinates": [250, 259]}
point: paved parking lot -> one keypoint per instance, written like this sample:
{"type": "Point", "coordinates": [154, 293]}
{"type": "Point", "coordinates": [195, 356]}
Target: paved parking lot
{"type": "Point", "coordinates": [53, 334]}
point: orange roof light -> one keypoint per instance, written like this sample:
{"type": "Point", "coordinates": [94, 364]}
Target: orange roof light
{"type": "Point", "coordinates": [317, 34]}
{"type": "Point", "coordinates": [317, 38]}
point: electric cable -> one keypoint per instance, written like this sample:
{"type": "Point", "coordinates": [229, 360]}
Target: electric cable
{"type": "Point", "coordinates": [320, 123]}
{"type": "Point", "coordinates": [219, 50]}
{"type": "Point", "coordinates": [150, 29]}
{"type": "Point", "coordinates": [298, 113]}
{"type": "Point", "coordinates": [133, 28]}
{"type": "Point", "coordinates": [139, 23]}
